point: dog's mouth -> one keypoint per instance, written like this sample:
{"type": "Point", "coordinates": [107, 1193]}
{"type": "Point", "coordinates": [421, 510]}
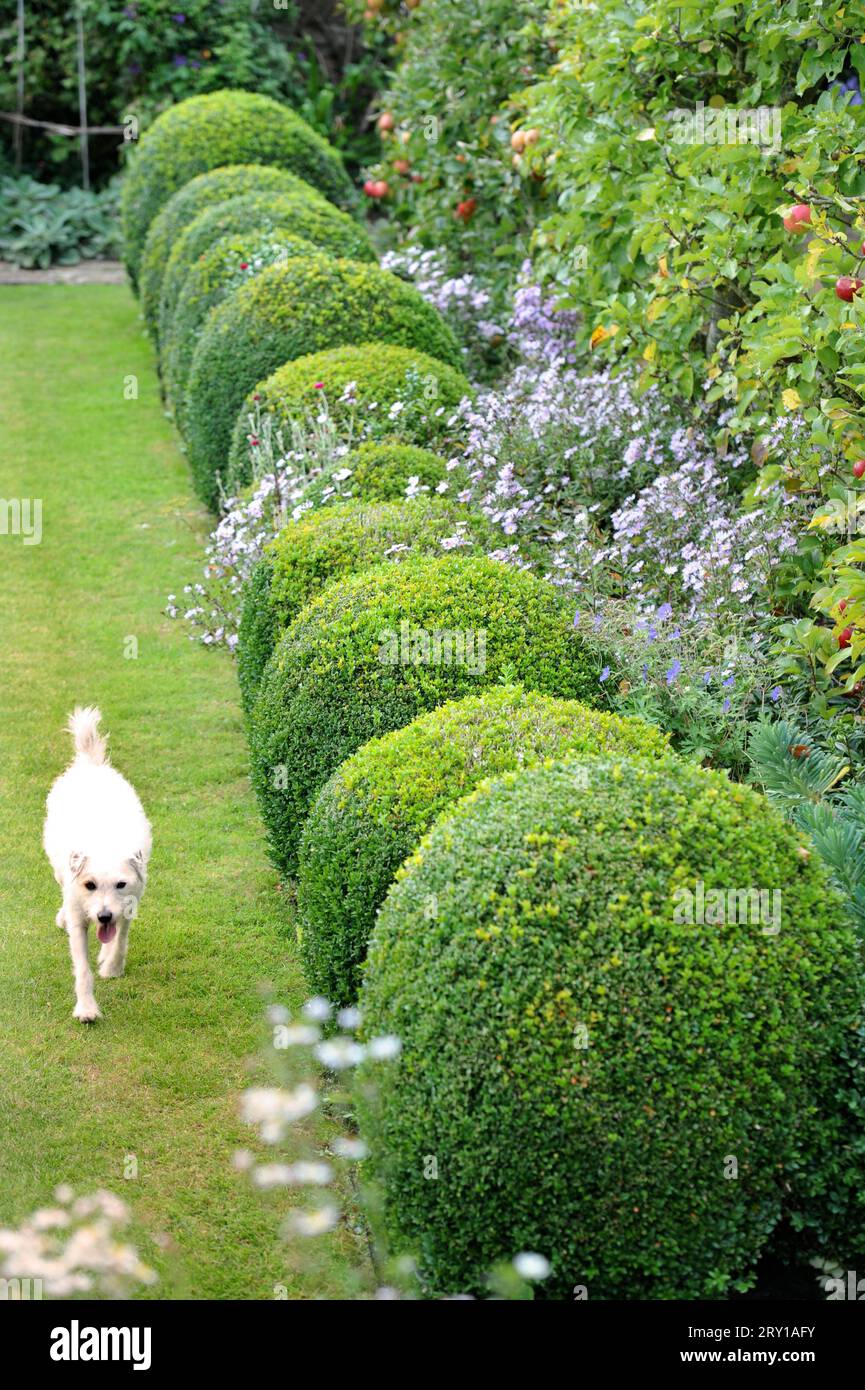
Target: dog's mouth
{"type": "Point", "coordinates": [106, 931]}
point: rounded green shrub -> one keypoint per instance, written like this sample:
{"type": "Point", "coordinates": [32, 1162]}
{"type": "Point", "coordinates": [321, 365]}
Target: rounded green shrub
{"type": "Point", "coordinates": [371, 653]}
{"type": "Point", "coordinates": [203, 192]}
{"type": "Point", "coordinates": [337, 541]}
{"type": "Point", "coordinates": [310, 218]}
{"type": "Point", "coordinates": [304, 305]}
{"type": "Point", "coordinates": [360, 381]}
{"type": "Point", "coordinates": [378, 804]}
{"type": "Point", "coordinates": [381, 471]}
{"type": "Point", "coordinates": [230, 263]}
{"type": "Point", "coordinates": [206, 132]}
{"type": "Point", "coordinates": [613, 1064]}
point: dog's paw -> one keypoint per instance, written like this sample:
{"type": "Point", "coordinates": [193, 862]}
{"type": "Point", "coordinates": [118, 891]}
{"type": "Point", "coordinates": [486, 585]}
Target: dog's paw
{"type": "Point", "coordinates": [60, 919]}
{"type": "Point", "coordinates": [87, 1010]}
{"type": "Point", "coordinates": [110, 970]}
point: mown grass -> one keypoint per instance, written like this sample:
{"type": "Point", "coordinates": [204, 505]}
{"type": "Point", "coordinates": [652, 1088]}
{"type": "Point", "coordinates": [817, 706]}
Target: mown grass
{"type": "Point", "coordinates": [159, 1077]}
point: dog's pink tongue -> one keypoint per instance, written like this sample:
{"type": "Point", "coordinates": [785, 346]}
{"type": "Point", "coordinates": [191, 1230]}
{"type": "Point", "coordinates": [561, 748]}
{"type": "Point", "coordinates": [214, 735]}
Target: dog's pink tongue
{"type": "Point", "coordinates": [106, 933]}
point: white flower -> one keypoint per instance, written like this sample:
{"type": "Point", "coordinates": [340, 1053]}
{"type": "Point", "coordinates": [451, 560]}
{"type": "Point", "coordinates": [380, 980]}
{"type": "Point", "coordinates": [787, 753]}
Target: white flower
{"type": "Point", "coordinates": [317, 1008]}
{"type": "Point", "coordinates": [313, 1223]}
{"type": "Point", "coordinates": [531, 1266]}
{"type": "Point", "coordinates": [339, 1053]}
{"type": "Point", "coordinates": [386, 1047]}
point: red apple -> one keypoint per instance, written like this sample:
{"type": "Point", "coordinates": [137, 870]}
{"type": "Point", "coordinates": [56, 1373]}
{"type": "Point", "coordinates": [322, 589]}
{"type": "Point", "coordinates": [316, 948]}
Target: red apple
{"type": "Point", "coordinates": [385, 121]}
{"type": "Point", "coordinates": [845, 636]}
{"type": "Point", "coordinates": [466, 210]}
{"type": "Point", "coordinates": [368, 188]}
{"type": "Point", "coordinates": [401, 166]}
{"type": "Point", "coordinates": [380, 189]}
{"type": "Point", "coordinates": [797, 217]}
{"type": "Point", "coordinates": [859, 468]}
{"type": "Point", "coordinates": [846, 286]}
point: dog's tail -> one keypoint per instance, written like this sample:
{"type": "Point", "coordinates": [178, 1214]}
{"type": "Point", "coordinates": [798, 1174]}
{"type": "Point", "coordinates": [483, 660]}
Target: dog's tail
{"type": "Point", "coordinates": [84, 727]}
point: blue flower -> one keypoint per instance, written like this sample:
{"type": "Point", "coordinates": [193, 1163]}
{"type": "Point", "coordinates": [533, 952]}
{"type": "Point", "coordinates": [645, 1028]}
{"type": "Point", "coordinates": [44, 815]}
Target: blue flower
{"type": "Point", "coordinates": [652, 634]}
{"type": "Point", "coordinates": [664, 612]}
{"type": "Point", "coordinates": [597, 620]}
{"type": "Point", "coordinates": [577, 618]}
{"type": "Point", "coordinates": [775, 694]}
{"type": "Point", "coordinates": [645, 672]}
{"type": "Point", "coordinates": [675, 634]}
{"type": "Point", "coordinates": [605, 674]}
{"type": "Point", "coordinates": [726, 705]}
{"type": "Point", "coordinates": [673, 671]}
{"type": "Point", "coordinates": [729, 682]}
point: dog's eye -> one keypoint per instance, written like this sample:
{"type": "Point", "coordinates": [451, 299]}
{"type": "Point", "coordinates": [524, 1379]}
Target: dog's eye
{"type": "Point", "coordinates": [122, 883]}
{"type": "Point", "coordinates": [90, 886]}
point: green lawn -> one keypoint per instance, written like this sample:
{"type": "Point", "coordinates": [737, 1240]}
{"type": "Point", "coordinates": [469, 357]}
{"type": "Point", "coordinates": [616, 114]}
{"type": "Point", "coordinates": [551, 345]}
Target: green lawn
{"type": "Point", "coordinates": [158, 1078]}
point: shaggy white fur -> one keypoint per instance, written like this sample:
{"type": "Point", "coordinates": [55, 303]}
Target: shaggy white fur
{"type": "Point", "coordinates": [98, 841]}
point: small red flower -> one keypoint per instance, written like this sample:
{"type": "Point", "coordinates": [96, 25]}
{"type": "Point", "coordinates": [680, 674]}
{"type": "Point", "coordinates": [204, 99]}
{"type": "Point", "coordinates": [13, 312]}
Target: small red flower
{"type": "Point", "coordinates": [244, 265]}
{"type": "Point", "coordinates": [256, 397]}
{"type": "Point", "coordinates": [252, 439]}
{"type": "Point", "coordinates": [319, 386]}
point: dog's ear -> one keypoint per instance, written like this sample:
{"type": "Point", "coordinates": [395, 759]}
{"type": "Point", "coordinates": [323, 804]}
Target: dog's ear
{"type": "Point", "coordinates": [139, 864]}
{"type": "Point", "coordinates": [77, 861]}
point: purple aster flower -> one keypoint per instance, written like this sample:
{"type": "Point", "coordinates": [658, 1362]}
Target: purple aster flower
{"type": "Point", "coordinates": [673, 672]}
{"type": "Point", "coordinates": [664, 612]}
{"type": "Point", "coordinates": [775, 694]}
{"type": "Point", "coordinates": [605, 674]}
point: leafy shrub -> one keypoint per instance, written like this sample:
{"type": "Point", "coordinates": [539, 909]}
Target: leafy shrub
{"type": "Point", "coordinates": [305, 214]}
{"type": "Point", "coordinates": [205, 132]}
{"type": "Point", "coordinates": [142, 55]}
{"type": "Point", "coordinates": [196, 196]}
{"type": "Point", "coordinates": [373, 391]}
{"type": "Point", "coordinates": [334, 542]}
{"type": "Point", "coordinates": [42, 224]}
{"type": "Point", "coordinates": [380, 472]}
{"type": "Point", "coordinates": [372, 652]}
{"type": "Point", "coordinates": [379, 803]}
{"type": "Point", "coordinates": [459, 66]}
{"type": "Point", "coordinates": [289, 310]}
{"type": "Point", "coordinates": [231, 262]}
{"type": "Point", "coordinates": [568, 1034]}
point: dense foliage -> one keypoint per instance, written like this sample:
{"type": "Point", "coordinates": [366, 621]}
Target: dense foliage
{"type": "Point", "coordinates": [197, 196]}
{"type": "Point", "coordinates": [226, 127]}
{"type": "Point", "coordinates": [43, 224]}
{"type": "Point", "coordinates": [380, 802]}
{"type": "Point", "coordinates": [373, 651]}
{"type": "Point", "coordinates": [331, 543]}
{"type": "Point", "coordinates": [564, 996]}
{"type": "Point", "coordinates": [371, 392]}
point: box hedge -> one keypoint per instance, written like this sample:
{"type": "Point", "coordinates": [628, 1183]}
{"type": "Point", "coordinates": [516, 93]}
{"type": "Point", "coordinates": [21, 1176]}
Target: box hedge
{"type": "Point", "coordinates": [203, 192]}
{"type": "Point", "coordinates": [606, 1067]}
{"type": "Point", "coordinates": [338, 541]}
{"type": "Point", "coordinates": [304, 305]}
{"type": "Point", "coordinates": [230, 263]}
{"type": "Point", "coordinates": [372, 652]}
{"type": "Point", "coordinates": [358, 382]}
{"type": "Point", "coordinates": [381, 801]}
{"type": "Point", "coordinates": [311, 218]}
{"type": "Point", "coordinates": [206, 132]}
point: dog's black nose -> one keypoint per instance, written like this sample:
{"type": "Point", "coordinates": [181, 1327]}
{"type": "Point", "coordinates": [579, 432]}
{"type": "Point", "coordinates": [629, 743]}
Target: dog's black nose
{"type": "Point", "coordinates": [104, 917]}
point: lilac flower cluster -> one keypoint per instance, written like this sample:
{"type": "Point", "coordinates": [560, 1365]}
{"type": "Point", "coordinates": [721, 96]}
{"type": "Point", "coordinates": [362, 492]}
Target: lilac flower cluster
{"type": "Point", "coordinates": [540, 331]}
{"type": "Point", "coordinates": [684, 538]}
{"type": "Point", "coordinates": [460, 298]}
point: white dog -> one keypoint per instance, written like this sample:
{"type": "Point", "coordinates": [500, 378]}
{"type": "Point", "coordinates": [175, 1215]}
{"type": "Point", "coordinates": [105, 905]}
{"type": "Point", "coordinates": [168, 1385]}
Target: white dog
{"type": "Point", "coordinates": [97, 838]}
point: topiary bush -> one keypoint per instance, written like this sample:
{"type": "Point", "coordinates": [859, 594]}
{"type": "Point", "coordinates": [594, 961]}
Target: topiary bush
{"type": "Point", "coordinates": [337, 541]}
{"type": "Point", "coordinates": [380, 471]}
{"type": "Point", "coordinates": [599, 1078]}
{"type": "Point", "coordinates": [379, 803]}
{"type": "Point", "coordinates": [372, 652]}
{"type": "Point", "coordinates": [203, 192]}
{"type": "Point", "coordinates": [304, 214]}
{"type": "Point", "coordinates": [230, 263]}
{"type": "Point", "coordinates": [205, 132]}
{"type": "Point", "coordinates": [286, 311]}
{"type": "Point", "coordinates": [360, 385]}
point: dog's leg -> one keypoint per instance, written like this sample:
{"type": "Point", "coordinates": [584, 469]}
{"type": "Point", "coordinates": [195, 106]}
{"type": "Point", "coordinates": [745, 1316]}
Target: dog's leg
{"type": "Point", "coordinates": [60, 919]}
{"type": "Point", "coordinates": [86, 1007]}
{"type": "Point", "coordinates": [112, 958]}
